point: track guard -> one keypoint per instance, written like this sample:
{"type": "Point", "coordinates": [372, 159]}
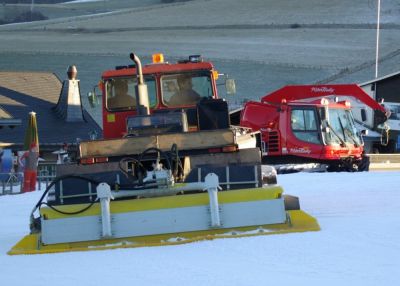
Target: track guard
{"type": "Point", "coordinates": [291, 203]}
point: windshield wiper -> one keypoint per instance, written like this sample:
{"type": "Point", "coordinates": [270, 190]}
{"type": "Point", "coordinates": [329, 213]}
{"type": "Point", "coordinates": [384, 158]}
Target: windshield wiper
{"type": "Point", "coordinates": [342, 142]}
{"type": "Point", "coordinates": [348, 133]}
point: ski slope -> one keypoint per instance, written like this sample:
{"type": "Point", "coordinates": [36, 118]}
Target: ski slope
{"type": "Point", "coordinates": [359, 214]}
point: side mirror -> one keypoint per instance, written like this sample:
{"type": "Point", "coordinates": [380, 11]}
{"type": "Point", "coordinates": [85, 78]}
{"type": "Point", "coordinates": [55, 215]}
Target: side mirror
{"type": "Point", "coordinates": [364, 132]}
{"type": "Point", "coordinates": [230, 86]}
{"type": "Point", "coordinates": [92, 96]}
{"type": "Point", "coordinates": [93, 99]}
{"type": "Point", "coordinates": [363, 115]}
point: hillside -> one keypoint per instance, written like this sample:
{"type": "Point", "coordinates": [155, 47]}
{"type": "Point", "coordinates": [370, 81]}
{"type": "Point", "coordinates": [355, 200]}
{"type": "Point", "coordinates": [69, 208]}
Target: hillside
{"type": "Point", "coordinates": [263, 44]}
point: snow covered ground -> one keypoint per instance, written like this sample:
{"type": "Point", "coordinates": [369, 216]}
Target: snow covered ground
{"type": "Point", "coordinates": [359, 214]}
{"type": "Point", "coordinates": [81, 1]}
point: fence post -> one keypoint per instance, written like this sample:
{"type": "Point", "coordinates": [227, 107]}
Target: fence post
{"type": "Point", "coordinates": [46, 173]}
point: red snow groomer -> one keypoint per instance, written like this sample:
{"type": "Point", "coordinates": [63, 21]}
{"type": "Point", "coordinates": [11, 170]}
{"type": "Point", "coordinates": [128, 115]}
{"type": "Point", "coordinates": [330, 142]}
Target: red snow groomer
{"type": "Point", "coordinates": [308, 123]}
{"type": "Point", "coordinates": [170, 170]}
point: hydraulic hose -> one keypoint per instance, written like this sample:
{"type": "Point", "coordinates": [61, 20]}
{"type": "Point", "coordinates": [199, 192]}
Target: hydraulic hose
{"type": "Point", "coordinates": [55, 181]}
{"type": "Point", "coordinates": [138, 162]}
{"type": "Point", "coordinates": [127, 174]}
{"type": "Point", "coordinates": [158, 151]}
{"type": "Point", "coordinates": [175, 157]}
{"type": "Point", "coordinates": [70, 213]}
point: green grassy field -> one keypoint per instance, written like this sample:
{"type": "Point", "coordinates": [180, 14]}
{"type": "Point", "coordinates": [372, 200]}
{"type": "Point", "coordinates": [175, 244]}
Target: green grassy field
{"type": "Point", "coordinates": [257, 43]}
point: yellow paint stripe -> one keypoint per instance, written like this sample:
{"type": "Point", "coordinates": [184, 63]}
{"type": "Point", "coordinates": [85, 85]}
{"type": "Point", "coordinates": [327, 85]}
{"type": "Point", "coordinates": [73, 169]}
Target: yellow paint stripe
{"type": "Point", "coordinates": [299, 222]}
{"type": "Point", "coordinates": [179, 201]}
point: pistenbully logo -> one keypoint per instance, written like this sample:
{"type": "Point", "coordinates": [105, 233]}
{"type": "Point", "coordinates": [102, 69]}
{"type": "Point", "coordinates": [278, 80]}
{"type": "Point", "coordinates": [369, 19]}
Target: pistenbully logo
{"type": "Point", "coordinates": [301, 150]}
{"type": "Point", "coordinates": [322, 89]}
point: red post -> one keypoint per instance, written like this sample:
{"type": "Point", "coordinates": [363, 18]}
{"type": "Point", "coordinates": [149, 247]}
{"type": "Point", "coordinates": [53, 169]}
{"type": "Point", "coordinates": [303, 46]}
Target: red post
{"type": "Point", "coordinates": [31, 155]}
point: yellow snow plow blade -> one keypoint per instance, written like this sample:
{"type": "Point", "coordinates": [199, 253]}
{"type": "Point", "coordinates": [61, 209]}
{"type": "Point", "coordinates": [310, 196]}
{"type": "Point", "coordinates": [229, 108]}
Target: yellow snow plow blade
{"type": "Point", "coordinates": [299, 222]}
{"type": "Point", "coordinates": [166, 220]}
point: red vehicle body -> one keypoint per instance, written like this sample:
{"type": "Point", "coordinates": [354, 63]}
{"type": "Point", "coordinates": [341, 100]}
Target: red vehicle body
{"type": "Point", "coordinates": [305, 124]}
{"type": "Point", "coordinates": [161, 79]}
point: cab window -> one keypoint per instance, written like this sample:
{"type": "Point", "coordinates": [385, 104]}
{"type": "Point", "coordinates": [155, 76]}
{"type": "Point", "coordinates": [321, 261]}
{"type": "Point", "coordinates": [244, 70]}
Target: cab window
{"type": "Point", "coordinates": [121, 93]}
{"type": "Point", "coordinates": [185, 89]}
{"type": "Point", "coordinates": [304, 125]}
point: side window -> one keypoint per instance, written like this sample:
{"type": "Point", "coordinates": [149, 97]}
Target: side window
{"type": "Point", "coordinates": [297, 120]}
{"type": "Point", "coordinates": [304, 125]}
{"type": "Point", "coordinates": [120, 94]}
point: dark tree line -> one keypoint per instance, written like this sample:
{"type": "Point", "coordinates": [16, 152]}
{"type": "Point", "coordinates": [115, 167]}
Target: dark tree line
{"type": "Point", "coordinates": [26, 16]}
{"type": "Point", "coordinates": [30, 1]}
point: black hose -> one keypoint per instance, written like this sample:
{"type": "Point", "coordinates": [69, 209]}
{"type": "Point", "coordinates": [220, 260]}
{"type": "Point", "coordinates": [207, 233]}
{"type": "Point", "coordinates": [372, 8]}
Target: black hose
{"type": "Point", "coordinates": [158, 151]}
{"type": "Point", "coordinates": [55, 181]}
{"type": "Point", "coordinates": [127, 174]}
{"type": "Point", "coordinates": [70, 213]}
{"type": "Point", "coordinates": [175, 157]}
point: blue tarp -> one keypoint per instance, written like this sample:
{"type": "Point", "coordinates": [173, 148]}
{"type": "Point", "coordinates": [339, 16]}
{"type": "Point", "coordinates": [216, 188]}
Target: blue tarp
{"type": "Point", "coordinates": [6, 164]}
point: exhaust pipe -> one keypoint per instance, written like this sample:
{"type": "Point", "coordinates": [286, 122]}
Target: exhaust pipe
{"type": "Point", "coordinates": [142, 95]}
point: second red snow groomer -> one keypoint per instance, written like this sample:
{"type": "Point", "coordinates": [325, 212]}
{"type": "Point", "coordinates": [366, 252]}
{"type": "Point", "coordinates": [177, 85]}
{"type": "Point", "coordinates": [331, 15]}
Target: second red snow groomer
{"type": "Point", "coordinates": [307, 123]}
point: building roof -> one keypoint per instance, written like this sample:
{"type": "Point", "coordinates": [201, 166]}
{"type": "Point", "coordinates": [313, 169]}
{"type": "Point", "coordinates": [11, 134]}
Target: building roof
{"type": "Point", "coordinates": [388, 76]}
{"type": "Point", "coordinates": [22, 92]}
{"type": "Point", "coordinates": [4, 114]}
{"type": "Point", "coordinates": [6, 120]}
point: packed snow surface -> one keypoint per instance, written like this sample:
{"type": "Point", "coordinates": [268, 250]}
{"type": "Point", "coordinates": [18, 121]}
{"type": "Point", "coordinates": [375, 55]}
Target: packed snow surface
{"type": "Point", "coordinates": [359, 215]}
{"type": "Point", "coordinates": [81, 1]}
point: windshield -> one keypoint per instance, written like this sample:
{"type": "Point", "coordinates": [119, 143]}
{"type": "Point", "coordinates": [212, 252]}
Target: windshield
{"type": "Point", "coordinates": [121, 93]}
{"type": "Point", "coordinates": [185, 89]}
{"type": "Point", "coordinates": [342, 128]}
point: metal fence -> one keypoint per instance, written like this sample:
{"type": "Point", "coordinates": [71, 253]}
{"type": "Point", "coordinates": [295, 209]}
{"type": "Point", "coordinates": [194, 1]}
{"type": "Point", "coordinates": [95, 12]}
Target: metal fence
{"type": "Point", "coordinates": [12, 183]}
{"type": "Point", "coordinates": [46, 173]}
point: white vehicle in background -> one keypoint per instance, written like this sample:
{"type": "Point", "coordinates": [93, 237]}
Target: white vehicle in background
{"type": "Point", "coordinates": [385, 137]}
